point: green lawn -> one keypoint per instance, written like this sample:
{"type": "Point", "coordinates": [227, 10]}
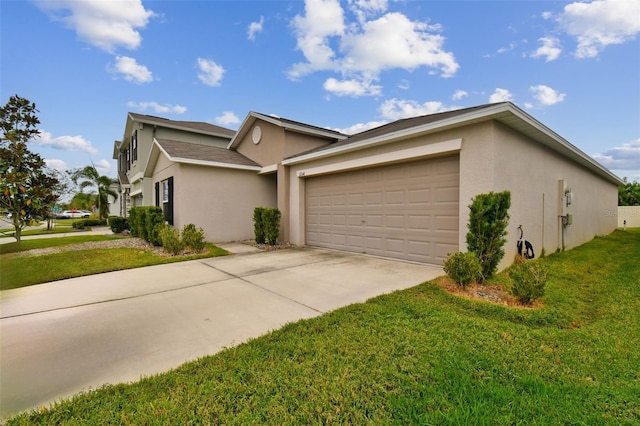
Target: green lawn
{"type": "Point", "coordinates": [21, 271]}
{"type": "Point", "coordinates": [418, 356]}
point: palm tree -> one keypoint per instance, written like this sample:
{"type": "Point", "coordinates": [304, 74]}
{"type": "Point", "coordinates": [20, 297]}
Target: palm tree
{"type": "Point", "coordinates": [89, 177]}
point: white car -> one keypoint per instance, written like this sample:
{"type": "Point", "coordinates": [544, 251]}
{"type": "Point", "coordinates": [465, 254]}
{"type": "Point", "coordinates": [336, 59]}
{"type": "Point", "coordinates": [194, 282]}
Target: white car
{"type": "Point", "coordinates": [73, 214]}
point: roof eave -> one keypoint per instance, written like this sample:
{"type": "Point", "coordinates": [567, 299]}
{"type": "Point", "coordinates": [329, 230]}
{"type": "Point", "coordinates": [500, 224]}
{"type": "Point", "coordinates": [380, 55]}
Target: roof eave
{"type": "Point", "coordinates": [499, 112]}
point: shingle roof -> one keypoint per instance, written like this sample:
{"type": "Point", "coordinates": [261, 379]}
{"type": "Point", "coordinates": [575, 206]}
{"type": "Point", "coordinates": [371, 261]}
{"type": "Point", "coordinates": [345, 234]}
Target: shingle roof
{"type": "Point", "coordinates": [193, 125]}
{"type": "Point", "coordinates": [205, 153]}
{"type": "Point", "coordinates": [397, 126]}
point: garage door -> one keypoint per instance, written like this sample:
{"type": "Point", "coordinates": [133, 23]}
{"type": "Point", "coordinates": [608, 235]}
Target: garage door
{"type": "Point", "coordinates": [407, 211]}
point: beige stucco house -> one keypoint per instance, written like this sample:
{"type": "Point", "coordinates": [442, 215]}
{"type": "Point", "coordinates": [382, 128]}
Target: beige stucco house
{"type": "Point", "coordinates": [401, 190]}
{"type": "Point", "coordinates": [133, 151]}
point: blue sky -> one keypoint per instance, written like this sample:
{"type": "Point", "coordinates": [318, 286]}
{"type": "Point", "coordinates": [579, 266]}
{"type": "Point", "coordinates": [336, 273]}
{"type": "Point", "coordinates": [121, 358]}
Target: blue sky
{"type": "Point", "coordinates": [350, 65]}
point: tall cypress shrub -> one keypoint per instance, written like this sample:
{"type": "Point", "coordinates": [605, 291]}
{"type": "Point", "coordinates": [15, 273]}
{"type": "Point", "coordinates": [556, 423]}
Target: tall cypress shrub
{"type": "Point", "coordinates": [258, 225]}
{"type": "Point", "coordinates": [488, 220]}
{"type": "Point", "coordinates": [271, 222]}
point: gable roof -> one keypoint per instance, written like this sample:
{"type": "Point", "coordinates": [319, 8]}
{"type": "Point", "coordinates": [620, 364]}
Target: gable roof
{"type": "Point", "coordinates": [504, 112]}
{"type": "Point", "coordinates": [205, 155]}
{"type": "Point", "coordinates": [192, 126]}
{"type": "Point", "coordinates": [291, 125]}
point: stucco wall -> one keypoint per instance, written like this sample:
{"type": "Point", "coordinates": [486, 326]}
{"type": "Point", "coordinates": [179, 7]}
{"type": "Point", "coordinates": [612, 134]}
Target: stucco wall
{"type": "Point", "coordinates": [218, 200]}
{"type": "Point", "coordinates": [537, 178]}
{"type": "Point", "coordinates": [269, 150]}
{"type": "Point", "coordinates": [629, 213]}
{"type": "Point", "coordinates": [495, 158]}
{"type": "Point", "coordinates": [296, 212]}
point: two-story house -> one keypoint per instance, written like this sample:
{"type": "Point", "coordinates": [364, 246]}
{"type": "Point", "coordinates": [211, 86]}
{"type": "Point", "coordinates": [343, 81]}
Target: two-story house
{"type": "Point", "coordinates": [133, 151]}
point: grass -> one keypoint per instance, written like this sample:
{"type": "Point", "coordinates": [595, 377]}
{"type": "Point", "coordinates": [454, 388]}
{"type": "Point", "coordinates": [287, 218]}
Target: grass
{"type": "Point", "coordinates": [70, 264]}
{"type": "Point", "coordinates": [418, 356]}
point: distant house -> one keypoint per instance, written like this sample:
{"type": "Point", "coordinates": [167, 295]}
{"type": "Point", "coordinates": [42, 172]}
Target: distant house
{"type": "Point", "coordinates": [401, 190]}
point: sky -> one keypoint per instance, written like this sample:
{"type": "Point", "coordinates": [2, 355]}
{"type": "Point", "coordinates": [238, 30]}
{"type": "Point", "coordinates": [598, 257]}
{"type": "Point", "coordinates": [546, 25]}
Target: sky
{"type": "Point", "coordinates": [345, 65]}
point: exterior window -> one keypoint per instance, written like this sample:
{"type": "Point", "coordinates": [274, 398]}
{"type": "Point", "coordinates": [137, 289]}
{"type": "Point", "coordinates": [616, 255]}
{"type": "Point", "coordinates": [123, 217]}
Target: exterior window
{"type": "Point", "coordinates": [165, 191]}
{"type": "Point", "coordinates": [166, 197]}
{"type": "Point", "coordinates": [134, 146]}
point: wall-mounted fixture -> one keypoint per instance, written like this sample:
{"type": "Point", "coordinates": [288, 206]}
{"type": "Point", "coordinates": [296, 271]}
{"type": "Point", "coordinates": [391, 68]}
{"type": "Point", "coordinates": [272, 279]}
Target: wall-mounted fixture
{"type": "Point", "coordinates": [568, 195]}
{"type": "Point", "coordinates": [567, 220]}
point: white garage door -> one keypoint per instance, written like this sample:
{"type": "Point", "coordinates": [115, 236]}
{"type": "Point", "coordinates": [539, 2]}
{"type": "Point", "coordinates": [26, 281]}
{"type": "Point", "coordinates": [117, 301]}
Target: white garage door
{"type": "Point", "coordinates": [406, 211]}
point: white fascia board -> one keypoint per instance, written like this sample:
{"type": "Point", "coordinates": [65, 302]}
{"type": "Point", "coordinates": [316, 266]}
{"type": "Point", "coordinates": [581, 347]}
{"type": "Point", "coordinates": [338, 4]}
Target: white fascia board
{"type": "Point", "coordinates": [422, 151]}
{"type": "Point", "coordinates": [215, 164]}
{"type": "Point", "coordinates": [136, 192]}
{"type": "Point", "coordinates": [137, 177]}
{"type": "Point", "coordinates": [268, 169]}
{"type": "Point", "coordinates": [242, 130]}
{"type": "Point", "coordinates": [566, 148]}
{"type": "Point", "coordinates": [390, 137]}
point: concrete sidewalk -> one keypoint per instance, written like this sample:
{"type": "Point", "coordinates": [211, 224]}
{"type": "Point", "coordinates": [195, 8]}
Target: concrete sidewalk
{"type": "Point", "coordinates": [60, 338]}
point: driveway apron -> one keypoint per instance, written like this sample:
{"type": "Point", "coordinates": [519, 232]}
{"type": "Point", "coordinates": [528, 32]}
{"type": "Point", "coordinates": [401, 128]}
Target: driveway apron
{"type": "Point", "coordinates": [69, 336]}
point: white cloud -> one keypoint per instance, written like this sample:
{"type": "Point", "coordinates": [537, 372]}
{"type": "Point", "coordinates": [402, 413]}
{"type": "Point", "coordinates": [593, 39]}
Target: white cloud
{"type": "Point", "coordinates": [600, 23]}
{"type": "Point", "coordinates": [104, 24]}
{"type": "Point", "coordinates": [323, 19]}
{"type": "Point", "coordinates": [394, 41]}
{"type": "Point", "coordinates": [351, 87]}
{"type": "Point", "coordinates": [254, 28]}
{"type": "Point", "coordinates": [361, 127]}
{"type": "Point", "coordinates": [500, 95]}
{"type": "Point", "coordinates": [625, 157]}
{"type": "Point", "coordinates": [131, 70]}
{"type": "Point", "coordinates": [459, 94]}
{"type": "Point", "coordinates": [545, 95]}
{"type": "Point", "coordinates": [103, 166]}
{"type": "Point", "coordinates": [65, 143]}
{"type": "Point", "coordinates": [210, 72]}
{"type": "Point", "coordinates": [157, 108]}
{"type": "Point", "coordinates": [55, 164]}
{"type": "Point", "coordinates": [361, 50]}
{"type": "Point", "coordinates": [364, 8]}
{"type": "Point", "coordinates": [396, 109]}
{"type": "Point", "coordinates": [550, 49]}
{"type": "Point", "coordinates": [227, 118]}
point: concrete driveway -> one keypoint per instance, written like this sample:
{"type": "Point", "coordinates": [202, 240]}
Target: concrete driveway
{"type": "Point", "coordinates": [60, 338]}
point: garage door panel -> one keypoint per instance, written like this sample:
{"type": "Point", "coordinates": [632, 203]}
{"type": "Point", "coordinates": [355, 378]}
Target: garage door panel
{"type": "Point", "coordinates": [407, 211]}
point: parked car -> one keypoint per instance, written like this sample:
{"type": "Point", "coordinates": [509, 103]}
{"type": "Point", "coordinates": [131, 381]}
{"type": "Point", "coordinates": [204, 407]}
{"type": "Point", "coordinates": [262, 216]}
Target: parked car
{"type": "Point", "coordinates": [73, 214]}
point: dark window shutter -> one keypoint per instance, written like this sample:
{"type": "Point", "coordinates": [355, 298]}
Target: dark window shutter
{"type": "Point", "coordinates": [168, 214]}
{"type": "Point", "coordinates": [157, 187]}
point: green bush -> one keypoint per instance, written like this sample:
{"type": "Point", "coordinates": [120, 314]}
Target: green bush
{"type": "Point", "coordinates": [136, 221]}
{"type": "Point", "coordinates": [463, 268]}
{"type": "Point", "coordinates": [170, 238]}
{"type": "Point", "coordinates": [271, 223]}
{"type": "Point", "coordinates": [154, 220]}
{"type": "Point", "coordinates": [193, 238]}
{"type": "Point", "coordinates": [258, 225]}
{"type": "Point", "coordinates": [529, 280]}
{"type": "Point", "coordinates": [144, 223]}
{"type": "Point", "coordinates": [87, 223]}
{"type": "Point", "coordinates": [488, 220]}
{"type": "Point", "coordinates": [118, 224]}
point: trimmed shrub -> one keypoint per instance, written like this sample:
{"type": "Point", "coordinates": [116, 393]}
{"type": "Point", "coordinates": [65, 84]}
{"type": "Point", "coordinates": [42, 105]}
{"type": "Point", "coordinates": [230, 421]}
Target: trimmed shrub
{"type": "Point", "coordinates": [463, 268]}
{"type": "Point", "coordinates": [271, 223]}
{"type": "Point", "coordinates": [170, 238]}
{"type": "Point", "coordinates": [488, 220]}
{"type": "Point", "coordinates": [118, 224]}
{"type": "Point", "coordinates": [136, 221]}
{"type": "Point", "coordinates": [193, 238]}
{"type": "Point", "coordinates": [87, 223]}
{"type": "Point", "coordinates": [144, 222]}
{"type": "Point", "coordinates": [154, 220]}
{"type": "Point", "coordinates": [258, 225]}
{"type": "Point", "coordinates": [529, 280]}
